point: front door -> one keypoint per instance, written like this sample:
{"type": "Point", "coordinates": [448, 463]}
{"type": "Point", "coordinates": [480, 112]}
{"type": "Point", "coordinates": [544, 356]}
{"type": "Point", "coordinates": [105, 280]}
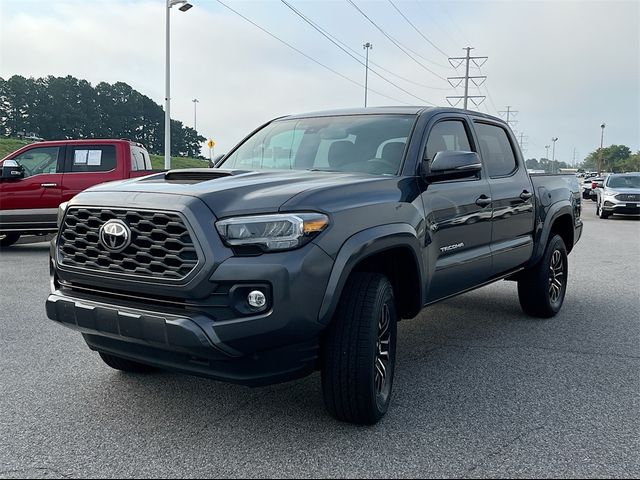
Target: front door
{"type": "Point", "coordinates": [458, 218]}
{"type": "Point", "coordinates": [33, 200]}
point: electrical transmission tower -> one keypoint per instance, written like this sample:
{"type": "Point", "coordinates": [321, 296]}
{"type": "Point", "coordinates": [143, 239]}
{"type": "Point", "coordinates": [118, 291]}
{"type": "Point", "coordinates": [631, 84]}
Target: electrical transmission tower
{"type": "Point", "coordinates": [522, 140]}
{"type": "Point", "coordinates": [476, 80]}
{"type": "Point", "coordinates": [508, 113]}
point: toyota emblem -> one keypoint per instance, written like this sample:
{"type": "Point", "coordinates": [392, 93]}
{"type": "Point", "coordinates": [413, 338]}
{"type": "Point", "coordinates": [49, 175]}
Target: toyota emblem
{"type": "Point", "coordinates": [115, 236]}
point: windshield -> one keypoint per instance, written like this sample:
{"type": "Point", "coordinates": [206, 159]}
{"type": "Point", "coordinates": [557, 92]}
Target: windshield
{"type": "Point", "coordinates": [626, 181]}
{"type": "Point", "coordinates": [358, 143]}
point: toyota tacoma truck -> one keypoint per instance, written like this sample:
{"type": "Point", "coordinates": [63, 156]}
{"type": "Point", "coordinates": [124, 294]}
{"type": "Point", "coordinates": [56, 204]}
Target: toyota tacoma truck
{"type": "Point", "coordinates": [306, 245]}
{"type": "Point", "coordinates": [37, 178]}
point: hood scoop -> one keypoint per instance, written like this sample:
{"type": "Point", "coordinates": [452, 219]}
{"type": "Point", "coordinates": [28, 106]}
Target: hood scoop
{"type": "Point", "coordinates": [197, 175]}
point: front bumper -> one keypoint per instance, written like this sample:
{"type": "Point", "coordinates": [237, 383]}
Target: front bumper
{"type": "Point", "coordinates": [612, 205]}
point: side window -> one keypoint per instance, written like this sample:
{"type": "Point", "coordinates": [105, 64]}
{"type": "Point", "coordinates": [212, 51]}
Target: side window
{"type": "Point", "coordinates": [496, 149]}
{"type": "Point", "coordinates": [89, 158]}
{"type": "Point", "coordinates": [139, 159]}
{"type": "Point", "coordinates": [447, 135]}
{"type": "Point", "coordinates": [39, 161]}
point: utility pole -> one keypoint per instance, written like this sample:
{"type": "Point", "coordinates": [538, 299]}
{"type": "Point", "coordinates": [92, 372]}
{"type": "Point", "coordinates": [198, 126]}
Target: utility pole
{"type": "Point", "coordinates": [477, 80]}
{"type": "Point", "coordinates": [574, 157]}
{"type": "Point", "coordinates": [367, 46]}
{"type": "Point", "coordinates": [553, 167]}
{"type": "Point", "coordinates": [195, 104]}
{"type": "Point", "coordinates": [509, 113]}
{"type": "Point", "coordinates": [600, 151]}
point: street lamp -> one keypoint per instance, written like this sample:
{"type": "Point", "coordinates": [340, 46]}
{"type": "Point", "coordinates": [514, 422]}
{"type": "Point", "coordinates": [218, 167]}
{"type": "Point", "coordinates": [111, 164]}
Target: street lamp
{"type": "Point", "coordinates": [195, 103]}
{"type": "Point", "coordinates": [600, 152]}
{"type": "Point", "coordinates": [184, 6]}
{"type": "Point", "coordinates": [553, 167]}
{"type": "Point", "coordinates": [367, 46]}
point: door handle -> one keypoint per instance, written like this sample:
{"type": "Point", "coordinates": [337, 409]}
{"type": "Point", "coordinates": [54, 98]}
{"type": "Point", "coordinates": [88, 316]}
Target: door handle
{"type": "Point", "coordinates": [526, 195]}
{"type": "Point", "coordinates": [483, 201]}
{"type": "Point", "coordinates": [48, 185]}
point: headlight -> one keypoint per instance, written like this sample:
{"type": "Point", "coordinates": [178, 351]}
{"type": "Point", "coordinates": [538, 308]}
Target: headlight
{"type": "Point", "coordinates": [61, 211]}
{"type": "Point", "coordinates": [272, 232]}
{"type": "Point", "coordinates": [610, 194]}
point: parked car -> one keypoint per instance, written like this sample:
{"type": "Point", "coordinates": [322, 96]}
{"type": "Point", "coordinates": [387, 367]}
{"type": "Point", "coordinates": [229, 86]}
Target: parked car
{"type": "Point", "coordinates": [620, 193]}
{"type": "Point", "coordinates": [37, 178]}
{"type": "Point", "coordinates": [303, 250]}
{"type": "Point", "coordinates": [589, 186]}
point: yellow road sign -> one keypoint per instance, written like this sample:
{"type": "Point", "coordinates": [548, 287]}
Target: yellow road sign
{"type": "Point", "coordinates": [211, 144]}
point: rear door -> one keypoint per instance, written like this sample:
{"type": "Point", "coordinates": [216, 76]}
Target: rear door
{"type": "Point", "coordinates": [87, 165]}
{"type": "Point", "coordinates": [34, 199]}
{"type": "Point", "coordinates": [458, 220]}
{"type": "Point", "coordinates": [512, 194]}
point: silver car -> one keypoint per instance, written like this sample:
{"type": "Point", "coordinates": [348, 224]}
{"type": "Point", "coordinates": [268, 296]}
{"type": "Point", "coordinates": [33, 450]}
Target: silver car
{"type": "Point", "coordinates": [620, 193]}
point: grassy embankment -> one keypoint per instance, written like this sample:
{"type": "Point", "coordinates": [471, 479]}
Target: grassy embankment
{"type": "Point", "coordinates": [8, 145]}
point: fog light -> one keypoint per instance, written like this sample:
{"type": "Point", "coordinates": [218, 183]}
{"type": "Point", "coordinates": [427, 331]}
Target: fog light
{"type": "Point", "coordinates": [256, 299]}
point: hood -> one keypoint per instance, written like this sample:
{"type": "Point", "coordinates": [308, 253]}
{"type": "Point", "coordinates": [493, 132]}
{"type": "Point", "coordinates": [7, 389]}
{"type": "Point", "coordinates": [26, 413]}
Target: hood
{"type": "Point", "coordinates": [238, 192]}
{"type": "Point", "coordinates": [629, 191]}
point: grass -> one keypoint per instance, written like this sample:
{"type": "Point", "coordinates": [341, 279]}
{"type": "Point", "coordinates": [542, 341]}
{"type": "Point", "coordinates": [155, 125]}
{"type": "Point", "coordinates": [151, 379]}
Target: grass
{"type": "Point", "coordinates": [9, 145]}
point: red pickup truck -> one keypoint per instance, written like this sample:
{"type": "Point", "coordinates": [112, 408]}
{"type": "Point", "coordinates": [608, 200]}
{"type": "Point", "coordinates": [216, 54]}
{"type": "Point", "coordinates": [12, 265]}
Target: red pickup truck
{"type": "Point", "coordinates": [37, 178]}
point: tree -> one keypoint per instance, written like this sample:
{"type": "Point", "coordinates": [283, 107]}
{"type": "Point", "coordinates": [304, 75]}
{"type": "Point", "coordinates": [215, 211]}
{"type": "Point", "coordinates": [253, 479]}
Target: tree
{"type": "Point", "coordinates": [65, 107]}
{"type": "Point", "coordinates": [614, 159]}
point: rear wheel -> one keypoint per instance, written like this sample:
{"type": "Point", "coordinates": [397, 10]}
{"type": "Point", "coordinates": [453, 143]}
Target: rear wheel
{"type": "Point", "coordinates": [8, 239]}
{"type": "Point", "coordinates": [541, 289]}
{"type": "Point", "coordinates": [359, 351]}
{"type": "Point", "coordinates": [124, 365]}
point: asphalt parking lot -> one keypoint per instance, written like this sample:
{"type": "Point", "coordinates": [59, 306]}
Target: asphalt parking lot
{"type": "Point", "coordinates": [481, 390]}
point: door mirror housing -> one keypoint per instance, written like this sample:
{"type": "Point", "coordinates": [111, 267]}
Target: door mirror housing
{"type": "Point", "coordinates": [11, 170]}
{"type": "Point", "coordinates": [453, 164]}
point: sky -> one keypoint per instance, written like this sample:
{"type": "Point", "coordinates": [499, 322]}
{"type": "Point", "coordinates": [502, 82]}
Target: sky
{"type": "Point", "coordinates": [564, 66]}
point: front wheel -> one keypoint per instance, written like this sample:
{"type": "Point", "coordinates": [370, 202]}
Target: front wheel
{"type": "Point", "coordinates": [8, 239]}
{"type": "Point", "coordinates": [359, 351]}
{"type": "Point", "coordinates": [602, 214]}
{"type": "Point", "coordinates": [541, 289]}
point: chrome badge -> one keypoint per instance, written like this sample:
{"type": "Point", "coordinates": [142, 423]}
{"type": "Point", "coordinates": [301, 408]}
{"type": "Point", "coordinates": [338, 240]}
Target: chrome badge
{"type": "Point", "coordinates": [115, 236]}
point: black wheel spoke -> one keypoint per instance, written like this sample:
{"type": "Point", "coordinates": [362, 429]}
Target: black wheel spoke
{"type": "Point", "coordinates": [382, 350]}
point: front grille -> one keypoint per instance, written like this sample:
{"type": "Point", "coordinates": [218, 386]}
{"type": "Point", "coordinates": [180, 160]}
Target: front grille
{"type": "Point", "coordinates": [628, 197]}
{"type": "Point", "coordinates": [161, 246]}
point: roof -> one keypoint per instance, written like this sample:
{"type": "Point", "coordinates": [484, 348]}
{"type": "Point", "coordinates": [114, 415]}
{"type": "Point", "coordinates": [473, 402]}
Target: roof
{"type": "Point", "coordinates": [389, 110]}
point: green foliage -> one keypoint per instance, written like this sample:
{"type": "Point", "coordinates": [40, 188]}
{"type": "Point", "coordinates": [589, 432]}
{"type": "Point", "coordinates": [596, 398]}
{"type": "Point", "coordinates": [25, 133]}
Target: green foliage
{"type": "Point", "coordinates": [10, 145]}
{"type": "Point", "coordinates": [65, 107]}
{"type": "Point", "coordinates": [549, 166]}
{"type": "Point", "coordinates": [615, 158]}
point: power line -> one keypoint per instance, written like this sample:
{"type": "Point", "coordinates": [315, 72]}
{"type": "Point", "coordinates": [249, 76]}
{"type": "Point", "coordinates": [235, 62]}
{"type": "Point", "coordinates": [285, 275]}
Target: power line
{"type": "Point", "coordinates": [405, 50]}
{"type": "Point", "coordinates": [477, 80]}
{"type": "Point", "coordinates": [355, 82]}
{"type": "Point", "coordinates": [337, 44]}
{"type": "Point", "coordinates": [334, 39]}
{"type": "Point", "coordinates": [508, 113]}
{"type": "Point", "coordinates": [416, 29]}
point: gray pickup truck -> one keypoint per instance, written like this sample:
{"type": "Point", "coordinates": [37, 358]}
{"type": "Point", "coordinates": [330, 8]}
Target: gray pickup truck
{"type": "Point", "coordinates": [306, 245]}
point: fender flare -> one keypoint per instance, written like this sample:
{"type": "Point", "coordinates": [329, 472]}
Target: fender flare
{"type": "Point", "coordinates": [555, 211]}
{"type": "Point", "coordinates": [360, 246]}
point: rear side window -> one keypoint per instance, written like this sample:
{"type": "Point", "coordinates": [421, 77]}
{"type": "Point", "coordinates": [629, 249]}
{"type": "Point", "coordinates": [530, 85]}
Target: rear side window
{"type": "Point", "coordinates": [90, 158]}
{"type": "Point", "coordinates": [449, 135]}
{"type": "Point", "coordinates": [140, 159]}
{"type": "Point", "coordinates": [495, 147]}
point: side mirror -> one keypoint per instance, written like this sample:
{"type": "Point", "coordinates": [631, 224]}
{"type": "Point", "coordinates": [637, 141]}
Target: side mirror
{"type": "Point", "coordinates": [11, 170]}
{"type": "Point", "coordinates": [454, 165]}
{"type": "Point", "coordinates": [216, 160]}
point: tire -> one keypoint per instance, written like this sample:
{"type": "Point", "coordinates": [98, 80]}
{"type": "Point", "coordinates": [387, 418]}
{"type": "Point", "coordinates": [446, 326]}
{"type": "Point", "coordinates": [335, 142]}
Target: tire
{"type": "Point", "coordinates": [602, 214]}
{"type": "Point", "coordinates": [585, 194]}
{"type": "Point", "coordinates": [541, 290]}
{"type": "Point", "coordinates": [357, 371]}
{"type": "Point", "coordinates": [125, 365]}
{"type": "Point", "coordinates": [8, 239]}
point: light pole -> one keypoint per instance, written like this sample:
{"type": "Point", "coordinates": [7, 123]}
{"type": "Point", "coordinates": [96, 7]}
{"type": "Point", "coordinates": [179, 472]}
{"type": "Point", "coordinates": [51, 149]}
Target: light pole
{"type": "Point", "coordinates": [600, 152]}
{"type": "Point", "coordinates": [553, 167]}
{"type": "Point", "coordinates": [184, 6]}
{"type": "Point", "coordinates": [367, 46]}
{"type": "Point", "coordinates": [195, 104]}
